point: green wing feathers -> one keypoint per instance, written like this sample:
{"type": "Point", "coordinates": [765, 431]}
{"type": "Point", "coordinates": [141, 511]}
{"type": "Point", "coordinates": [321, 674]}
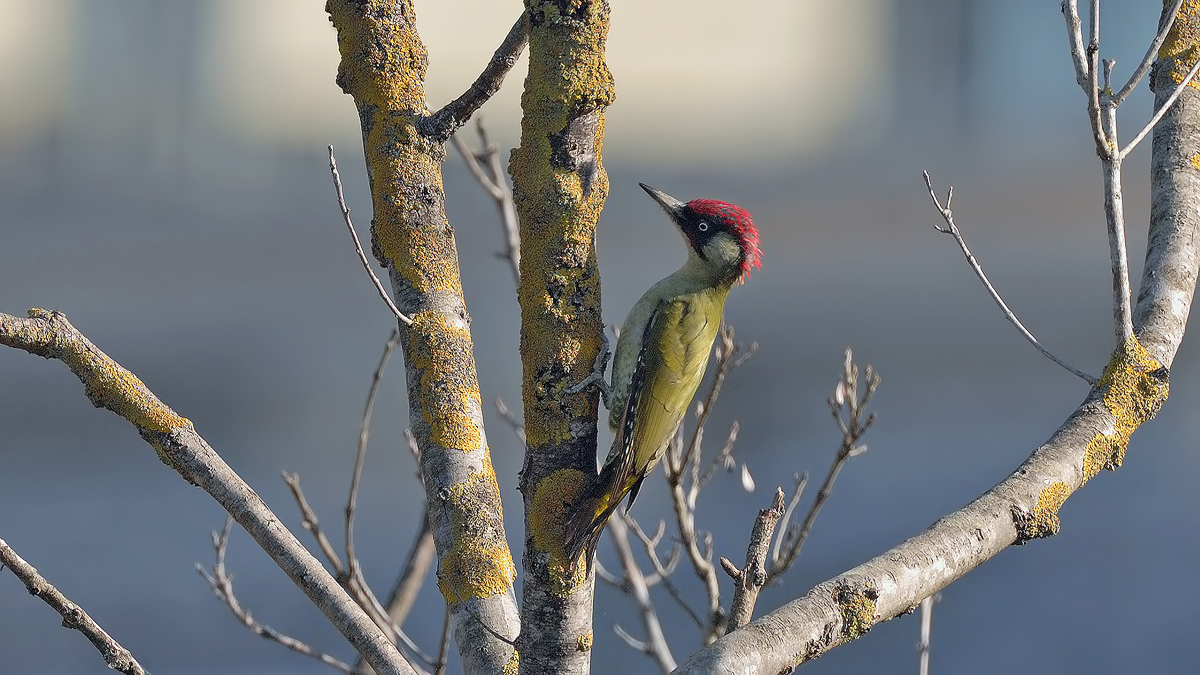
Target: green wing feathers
{"type": "Point", "coordinates": [670, 366]}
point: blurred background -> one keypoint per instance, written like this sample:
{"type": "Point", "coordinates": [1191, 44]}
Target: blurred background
{"type": "Point", "coordinates": [163, 181]}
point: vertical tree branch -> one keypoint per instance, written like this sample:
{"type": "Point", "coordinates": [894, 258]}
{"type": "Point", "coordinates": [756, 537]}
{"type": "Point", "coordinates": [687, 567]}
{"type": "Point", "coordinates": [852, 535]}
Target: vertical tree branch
{"type": "Point", "coordinates": [559, 186]}
{"type": "Point", "coordinates": [1169, 279]}
{"type": "Point", "coordinates": [383, 67]}
{"type": "Point", "coordinates": [1114, 212]}
{"type": "Point", "coordinates": [926, 633]}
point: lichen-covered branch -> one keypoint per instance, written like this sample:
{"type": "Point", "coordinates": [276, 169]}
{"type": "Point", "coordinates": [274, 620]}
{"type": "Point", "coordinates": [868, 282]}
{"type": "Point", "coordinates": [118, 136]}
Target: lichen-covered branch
{"type": "Point", "coordinates": [1025, 505]}
{"type": "Point", "coordinates": [559, 186]}
{"type": "Point", "coordinates": [442, 124]}
{"type": "Point", "coordinates": [383, 64]}
{"type": "Point", "coordinates": [108, 385]}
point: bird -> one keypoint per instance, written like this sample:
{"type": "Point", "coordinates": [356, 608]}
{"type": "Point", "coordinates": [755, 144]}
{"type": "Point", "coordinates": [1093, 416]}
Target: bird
{"type": "Point", "coordinates": [661, 355]}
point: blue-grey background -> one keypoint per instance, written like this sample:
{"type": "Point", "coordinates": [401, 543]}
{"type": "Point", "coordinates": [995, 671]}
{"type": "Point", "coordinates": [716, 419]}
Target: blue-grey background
{"type": "Point", "coordinates": [163, 182]}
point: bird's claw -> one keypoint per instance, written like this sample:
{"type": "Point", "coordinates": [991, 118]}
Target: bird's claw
{"type": "Point", "coordinates": [597, 375]}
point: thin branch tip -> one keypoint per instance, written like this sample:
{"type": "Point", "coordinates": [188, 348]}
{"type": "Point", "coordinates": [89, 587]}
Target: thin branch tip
{"type": "Point", "coordinates": [952, 229]}
{"type": "Point", "coordinates": [362, 256]}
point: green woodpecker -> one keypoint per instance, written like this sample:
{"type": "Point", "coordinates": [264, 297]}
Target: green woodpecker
{"type": "Point", "coordinates": [661, 355]}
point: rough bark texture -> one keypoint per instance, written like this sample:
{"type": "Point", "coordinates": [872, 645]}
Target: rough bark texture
{"type": "Point", "coordinates": [1094, 437]}
{"type": "Point", "coordinates": [109, 385]}
{"type": "Point", "coordinates": [1169, 278]}
{"type": "Point", "coordinates": [383, 68]}
{"type": "Point", "coordinates": [559, 188]}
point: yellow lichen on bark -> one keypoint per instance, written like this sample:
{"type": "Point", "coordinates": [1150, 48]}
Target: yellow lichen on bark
{"type": "Point", "coordinates": [857, 608]}
{"type": "Point", "coordinates": [383, 67]}
{"type": "Point", "coordinates": [1043, 521]}
{"type": "Point", "coordinates": [107, 383]}
{"type": "Point", "coordinates": [442, 354]}
{"type": "Point", "coordinates": [559, 190]}
{"type": "Point", "coordinates": [546, 520]}
{"type": "Point", "coordinates": [1135, 388]}
{"type": "Point", "coordinates": [479, 565]}
{"type": "Point", "coordinates": [1180, 47]}
{"type": "Point", "coordinates": [383, 59]}
{"type": "Point", "coordinates": [119, 390]}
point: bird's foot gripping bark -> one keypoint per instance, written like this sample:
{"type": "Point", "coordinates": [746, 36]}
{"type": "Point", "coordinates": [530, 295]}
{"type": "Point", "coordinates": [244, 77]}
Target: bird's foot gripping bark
{"type": "Point", "coordinates": [597, 375]}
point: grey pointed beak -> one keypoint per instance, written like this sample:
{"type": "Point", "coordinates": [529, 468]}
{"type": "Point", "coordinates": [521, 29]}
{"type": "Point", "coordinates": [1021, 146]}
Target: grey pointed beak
{"type": "Point", "coordinates": [671, 205]}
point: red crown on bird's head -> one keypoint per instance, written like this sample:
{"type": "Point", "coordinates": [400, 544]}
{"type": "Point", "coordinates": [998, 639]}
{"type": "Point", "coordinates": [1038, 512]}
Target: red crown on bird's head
{"type": "Point", "coordinates": [740, 224]}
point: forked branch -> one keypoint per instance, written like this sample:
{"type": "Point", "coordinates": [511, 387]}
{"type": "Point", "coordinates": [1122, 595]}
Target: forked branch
{"type": "Point", "coordinates": [848, 405]}
{"type": "Point", "coordinates": [221, 584]}
{"type": "Point", "coordinates": [636, 586]}
{"type": "Point", "coordinates": [751, 578]}
{"type": "Point", "coordinates": [485, 166]}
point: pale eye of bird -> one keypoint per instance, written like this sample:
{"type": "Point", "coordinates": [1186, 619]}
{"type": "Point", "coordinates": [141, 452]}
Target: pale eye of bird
{"type": "Point", "coordinates": [703, 226]}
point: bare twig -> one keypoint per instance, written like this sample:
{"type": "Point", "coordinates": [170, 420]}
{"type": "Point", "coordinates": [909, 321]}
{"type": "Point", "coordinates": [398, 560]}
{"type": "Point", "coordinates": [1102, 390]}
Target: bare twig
{"type": "Point", "coordinates": [604, 575]}
{"type": "Point", "coordinates": [635, 587]}
{"type": "Point", "coordinates": [488, 171]}
{"type": "Point", "coordinates": [1085, 59]}
{"type": "Point", "coordinates": [362, 256]}
{"type": "Point", "coordinates": [793, 502]}
{"type": "Point", "coordinates": [117, 657]}
{"type": "Point", "coordinates": [391, 618]}
{"type": "Point", "coordinates": [1158, 114]}
{"type": "Point", "coordinates": [849, 409]}
{"type": "Point", "coordinates": [308, 520]}
{"type": "Point", "coordinates": [1103, 144]}
{"type": "Point", "coordinates": [352, 581]}
{"type": "Point", "coordinates": [364, 434]}
{"type": "Point", "coordinates": [442, 124]}
{"type": "Point", "coordinates": [1070, 10]}
{"type": "Point", "coordinates": [439, 668]}
{"type": "Point", "coordinates": [420, 556]}
{"type": "Point", "coordinates": [926, 624]}
{"type": "Point", "coordinates": [222, 586]}
{"type": "Point", "coordinates": [724, 459]}
{"type": "Point", "coordinates": [1164, 26]}
{"type": "Point", "coordinates": [952, 230]}
{"type": "Point", "coordinates": [749, 580]}
{"type": "Point", "coordinates": [477, 162]}
{"type": "Point", "coordinates": [633, 643]}
{"type": "Point", "coordinates": [510, 419]}
{"type": "Point", "coordinates": [662, 571]}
